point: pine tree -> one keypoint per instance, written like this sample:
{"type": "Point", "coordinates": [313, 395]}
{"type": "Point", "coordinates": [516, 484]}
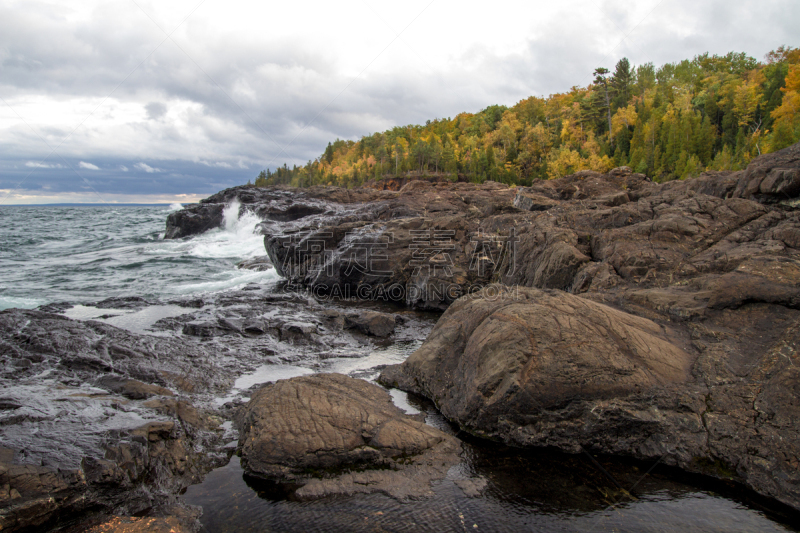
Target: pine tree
{"type": "Point", "coordinates": [622, 82]}
{"type": "Point", "coordinates": [601, 78]}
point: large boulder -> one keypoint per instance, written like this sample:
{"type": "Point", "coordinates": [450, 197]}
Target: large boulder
{"type": "Point", "coordinates": [507, 354]}
{"type": "Point", "coordinates": [194, 219]}
{"type": "Point", "coordinates": [707, 382]}
{"type": "Point", "coordinates": [336, 434]}
{"type": "Point", "coordinates": [772, 178]}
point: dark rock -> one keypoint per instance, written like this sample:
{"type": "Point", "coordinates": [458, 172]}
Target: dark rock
{"type": "Point", "coordinates": [340, 435]}
{"type": "Point", "coordinates": [55, 308]}
{"type": "Point", "coordinates": [297, 331]}
{"type": "Point", "coordinates": [204, 329]}
{"type": "Point", "coordinates": [508, 352]}
{"type": "Point", "coordinates": [99, 421]}
{"type": "Point", "coordinates": [293, 211]}
{"type": "Point", "coordinates": [255, 327]}
{"type": "Point", "coordinates": [773, 177]}
{"type": "Point", "coordinates": [193, 303]}
{"type": "Point", "coordinates": [414, 246]}
{"type": "Point", "coordinates": [529, 201]}
{"type": "Point", "coordinates": [131, 388]}
{"type": "Point", "coordinates": [124, 302]}
{"type": "Point", "coordinates": [74, 437]}
{"type": "Point", "coordinates": [259, 264]}
{"type": "Point", "coordinates": [372, 323]}
{"type": "Point", "coordinates": [193, 219]}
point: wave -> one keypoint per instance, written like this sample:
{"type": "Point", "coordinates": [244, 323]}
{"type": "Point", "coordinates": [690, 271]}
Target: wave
{"type": "Point", "coordinates": [97, 256]}
{"type": "Point", "coordinates": [7, 302]}
{"type": "Point", "coordinates": [228, 280]}
{"type": "Point", "coordinates": [175, 207]}
{"type": "Point", "coordinates": [236, 239]}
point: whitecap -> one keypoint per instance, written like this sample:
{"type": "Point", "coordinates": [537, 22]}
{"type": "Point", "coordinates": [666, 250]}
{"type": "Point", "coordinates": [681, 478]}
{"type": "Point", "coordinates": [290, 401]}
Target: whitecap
{"type": "Point", "coordinates": [237, 239]}
{"type": "Point", "coordinates": [228, 280]}
{"type": "Point", "coordinates": [8, 302]}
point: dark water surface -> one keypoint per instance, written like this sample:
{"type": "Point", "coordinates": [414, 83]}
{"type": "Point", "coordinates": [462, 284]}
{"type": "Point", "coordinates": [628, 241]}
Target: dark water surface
{"type": "Point", "coordinates": [516, 491]}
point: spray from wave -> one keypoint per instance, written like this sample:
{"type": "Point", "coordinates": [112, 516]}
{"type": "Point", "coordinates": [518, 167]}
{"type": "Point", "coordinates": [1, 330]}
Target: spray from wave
{"type": "Point", "coordinates": [237, 239]}
{"type": "Point", "coordinates": [230, 215]}
{"type": "Point", "coordinates": [175, 207]}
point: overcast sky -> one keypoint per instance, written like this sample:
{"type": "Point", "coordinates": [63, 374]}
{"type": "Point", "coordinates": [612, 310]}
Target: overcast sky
{"type": "Point", "coordinates": [140, 101]}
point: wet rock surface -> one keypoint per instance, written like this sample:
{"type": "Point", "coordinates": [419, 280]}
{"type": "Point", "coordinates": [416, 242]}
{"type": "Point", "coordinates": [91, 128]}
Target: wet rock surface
{"type": "Point", "coordinates": [99, 419]}
{"type": "Point", "coordinates": [334, 434]}
{"type": "Point", "coordinates": [82, 432]}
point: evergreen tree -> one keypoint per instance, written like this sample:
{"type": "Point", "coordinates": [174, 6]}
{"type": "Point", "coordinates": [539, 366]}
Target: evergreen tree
{"type": "Point", "coordinates": [622, 82]}
{"type": "Point", "coordinates": [601, 78]}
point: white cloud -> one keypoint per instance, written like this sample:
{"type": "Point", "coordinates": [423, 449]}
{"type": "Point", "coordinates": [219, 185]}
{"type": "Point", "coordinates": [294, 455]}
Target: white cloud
{"type": "Point", "coordinates": [147, 168]}
{"type": "Point", "coordinates": [33, 164]}
{"type": "Point", "coordinates": [123, 168]}
{"type": "Point", "coordinates": [219, 164]}
{"type": "Point", "coordinates": [88, 166]}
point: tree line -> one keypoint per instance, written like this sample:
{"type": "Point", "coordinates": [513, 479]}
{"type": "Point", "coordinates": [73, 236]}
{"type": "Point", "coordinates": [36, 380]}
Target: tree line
{"type": "Point", "coordinates": [671, 122]}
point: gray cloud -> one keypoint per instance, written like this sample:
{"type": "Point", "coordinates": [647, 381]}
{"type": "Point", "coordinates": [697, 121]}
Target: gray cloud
{"type": "Point", "coordinates": [220, 105]}
{"type": "Point", "coordinates": [155, 110]}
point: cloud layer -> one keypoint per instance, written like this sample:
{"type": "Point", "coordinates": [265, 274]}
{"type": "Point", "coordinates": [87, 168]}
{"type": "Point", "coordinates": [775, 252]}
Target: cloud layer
{"type": "Point", "coordinates": [133, 97]}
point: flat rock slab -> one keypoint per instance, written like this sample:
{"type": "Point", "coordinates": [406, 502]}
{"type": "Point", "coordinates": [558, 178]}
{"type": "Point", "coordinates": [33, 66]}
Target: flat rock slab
{"type": "Point", "coordinates": [340, 435]}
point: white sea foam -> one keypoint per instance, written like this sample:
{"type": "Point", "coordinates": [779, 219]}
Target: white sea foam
{"type": "Point", "coordinates": [234, 279]}
{"type": "Point", "coordinates": [7, 302]}
{"type": "Point", "coordinates": [236, 240]}
{"type": "Point", "coordinates": [230, 215]}
{"type": "Point", "coordinates": [175, 207]}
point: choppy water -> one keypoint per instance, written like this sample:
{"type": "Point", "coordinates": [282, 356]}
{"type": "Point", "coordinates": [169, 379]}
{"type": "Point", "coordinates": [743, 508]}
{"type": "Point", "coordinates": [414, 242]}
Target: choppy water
{"type": "Point", "coordinates": [86, 254]}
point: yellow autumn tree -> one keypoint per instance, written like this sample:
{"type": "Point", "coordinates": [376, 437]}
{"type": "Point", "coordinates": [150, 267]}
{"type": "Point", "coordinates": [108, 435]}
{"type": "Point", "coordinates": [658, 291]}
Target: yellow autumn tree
{"type": "Point", "coordinates": [563, 162]}
{"type": "Point", "coordinates": [624, 117]}
{"type": "Point", "coordinates": [787, 115]}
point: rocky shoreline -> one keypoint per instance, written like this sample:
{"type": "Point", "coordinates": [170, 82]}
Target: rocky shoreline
{"type": "Point", "coordinates": [601, 313]}
{"type": "Point", "coordinates": [676, 307]}
{"type": "Point", "coordinates": [100, 423]}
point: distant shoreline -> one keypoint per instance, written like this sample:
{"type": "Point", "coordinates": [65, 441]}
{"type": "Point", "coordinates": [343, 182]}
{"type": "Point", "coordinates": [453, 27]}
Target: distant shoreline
{"type": "Point", "coordinates": [87, 205]}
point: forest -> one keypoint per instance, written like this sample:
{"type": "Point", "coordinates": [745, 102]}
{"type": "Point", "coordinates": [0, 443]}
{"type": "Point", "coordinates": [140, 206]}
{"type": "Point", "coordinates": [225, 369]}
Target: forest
{"type": "Point", "coordinates": [670, 122]}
